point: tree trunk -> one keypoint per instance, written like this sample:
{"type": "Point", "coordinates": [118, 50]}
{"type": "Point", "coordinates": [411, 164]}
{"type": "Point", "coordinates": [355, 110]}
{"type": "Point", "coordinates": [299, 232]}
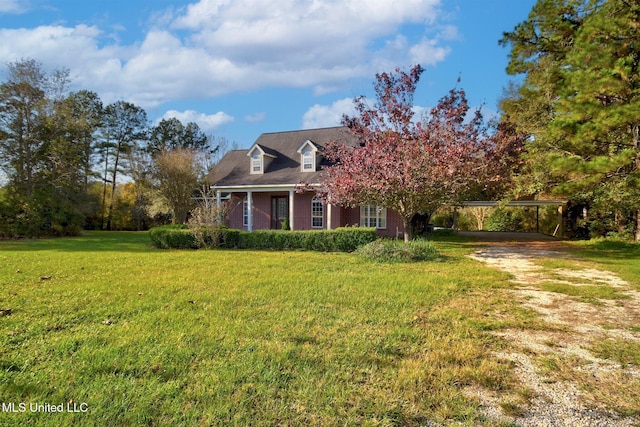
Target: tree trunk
{"type": "Point", "coordinates": [637, 225]}
{"type": "Point", "coordinates": [621, 221]}
{"type": "Point", "coordinates": [407, 229]}
{"type": "Point", "coordinates": [113, 186]}
{"type": "Point", "coordinates": [636, 144]}
{"type": "Point", "coordinates": [104, 188]}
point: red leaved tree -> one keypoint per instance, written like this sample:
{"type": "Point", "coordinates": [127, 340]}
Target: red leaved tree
{"type": "Point", "coordinates": [406, 165]}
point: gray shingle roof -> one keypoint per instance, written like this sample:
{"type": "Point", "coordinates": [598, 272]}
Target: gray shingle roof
{"type": "Point", "coordinates": [233, 169]}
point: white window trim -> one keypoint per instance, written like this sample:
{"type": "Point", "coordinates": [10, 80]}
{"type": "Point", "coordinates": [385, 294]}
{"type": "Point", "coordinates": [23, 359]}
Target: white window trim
{"type": "Point", "coordinates": [245, 212]}
{"type": "Point", "coordinates": [308, 148]}
{"type": "Point", "coordinates": [315, 200]}
{"type": "Point", "coordinates": [256, 160]}
{"type": "Point", "coordinates": [308, 158]}
{"type": "Point", "coordinates": [379, 216]}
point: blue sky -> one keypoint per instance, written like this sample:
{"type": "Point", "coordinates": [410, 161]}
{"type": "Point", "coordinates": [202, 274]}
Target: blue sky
{"type": "Point", "coordinates": [243, 67]}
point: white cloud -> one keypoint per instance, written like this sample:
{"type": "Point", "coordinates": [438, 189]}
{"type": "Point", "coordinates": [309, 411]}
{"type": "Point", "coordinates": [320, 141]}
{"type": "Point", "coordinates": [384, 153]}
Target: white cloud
{"type": "Point", "coordinates": [11, 6]}
{"type": "Point", "coordinates": [427, 52]}
{"type": "Point", "coordinates": [215, 47]}
{"type": "Point", "coordinates": [76, 48]}
{"type": "Point", "coordinates": [206, 122]}
{"type": "Point", "coordinates": [321, 41]}
{"type": "Point", "coordinates": [50, 44]}
{"type": "Point", "coordinates": [319, 116]}
{"type": "Point", "coordinates": [254, 118]}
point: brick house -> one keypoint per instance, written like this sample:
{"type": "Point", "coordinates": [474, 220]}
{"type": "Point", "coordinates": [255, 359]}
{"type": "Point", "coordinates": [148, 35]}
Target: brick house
{"type": "Point", "coordinates": [260, 184]}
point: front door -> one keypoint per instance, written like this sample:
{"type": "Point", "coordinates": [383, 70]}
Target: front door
{"type": "Point", "coordinates": [279, 211]}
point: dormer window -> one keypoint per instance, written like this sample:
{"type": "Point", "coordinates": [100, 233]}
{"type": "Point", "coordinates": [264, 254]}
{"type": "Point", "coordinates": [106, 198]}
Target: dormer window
{"type": "Point", "coordinates": [260, 159]}
{"type": "Point", "coordinates": [308, 156]}
{"type": "Point", "coordinates": [308, 163]}
{"type": "Point", "coordinates": [256, 163]}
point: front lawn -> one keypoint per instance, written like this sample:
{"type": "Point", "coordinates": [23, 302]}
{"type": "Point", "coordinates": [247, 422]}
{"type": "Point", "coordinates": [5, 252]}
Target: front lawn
{"type": "Point", "coordinates": [130, 335]}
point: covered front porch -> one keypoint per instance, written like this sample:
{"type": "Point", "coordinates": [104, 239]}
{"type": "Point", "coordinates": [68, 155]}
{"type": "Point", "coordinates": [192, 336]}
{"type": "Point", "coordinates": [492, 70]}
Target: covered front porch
{"type": "Point", "coordinates": [277, 207]}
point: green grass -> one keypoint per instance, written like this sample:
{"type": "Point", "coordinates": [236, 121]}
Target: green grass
{"type": "Point", "coordinates": [621, 351]}
{"type": "Point", "coordinates": [585, 293]}
{"type": "Point", "coordinates": [622, 258]}
{"type": "Point", "coordinates": [223, 337]}
{"type": "Point", "coordinates": [163, 337]}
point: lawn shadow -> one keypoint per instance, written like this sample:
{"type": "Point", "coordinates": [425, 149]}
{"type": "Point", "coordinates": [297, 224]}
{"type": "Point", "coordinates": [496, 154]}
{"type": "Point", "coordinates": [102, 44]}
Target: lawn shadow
{"type": "Point", "coordinates": [610, 250]}
{"type": "Point", "coordinates": [90, 241]}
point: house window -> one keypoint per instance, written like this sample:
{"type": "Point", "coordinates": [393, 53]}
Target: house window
{"type": "Point", "coordinates": [307, 161]}
{"type": "Point", "coordinates": [317, 213]}
{"type": "Point", "coordinates": [373, 216]}
{"type": "Point", "coordinates": [256, 163]}
{"type": "Point", "coordinates": [245, 212]}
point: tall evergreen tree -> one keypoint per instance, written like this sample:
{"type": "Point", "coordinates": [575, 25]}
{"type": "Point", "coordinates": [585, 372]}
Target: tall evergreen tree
{"type": "Point", "coordinates": [23, 112]}
{"type": "Point", "coordinates": [40, 154]}
{"type": "Point", "coordinates": [579, 101]}
{"type": "Point", "coordinates": [125, 126]}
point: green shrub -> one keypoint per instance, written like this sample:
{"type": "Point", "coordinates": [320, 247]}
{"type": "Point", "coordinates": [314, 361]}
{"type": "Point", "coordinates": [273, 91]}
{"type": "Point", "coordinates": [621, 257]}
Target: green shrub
{"type": "Point", "coordinates": [176, 236]}
{"type": "Point", "coordinates": [229, 237]}
{"type": "Point", "coordinates": [341, 239]}
{"type": "Point", "coordinates": [383, 250]}
{"type": "Point", "coordinates": [504, 220]}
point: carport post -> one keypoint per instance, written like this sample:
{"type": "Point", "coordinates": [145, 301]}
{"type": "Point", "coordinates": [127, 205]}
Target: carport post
{"type": "Point", "coordinates": [560, 225]}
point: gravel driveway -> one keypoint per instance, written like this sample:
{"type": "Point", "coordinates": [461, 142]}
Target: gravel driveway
{"type": "Point", "coordinates": [573, 327]}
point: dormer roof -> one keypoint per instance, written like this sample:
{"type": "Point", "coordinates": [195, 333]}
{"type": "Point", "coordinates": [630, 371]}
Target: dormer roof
{"type": "Point", "coordinates": [307, 143]}
{"type": "Point", "coordinates": [265, 151]}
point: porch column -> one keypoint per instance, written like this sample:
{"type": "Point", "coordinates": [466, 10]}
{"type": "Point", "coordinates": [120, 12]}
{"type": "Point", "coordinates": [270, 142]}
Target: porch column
{"type": "Point", "coordinates": [249, 210]}
{"type": "Point", "coordinates": [328, 216]}
{"type": "Point", "coordinates": [291, 209]}
{"type": "Point", "coordinates": [218, 204]}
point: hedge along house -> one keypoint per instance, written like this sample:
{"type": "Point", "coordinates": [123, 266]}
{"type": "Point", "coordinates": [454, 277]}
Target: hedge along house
{"type": "Point", "coordinates": [261, 186]}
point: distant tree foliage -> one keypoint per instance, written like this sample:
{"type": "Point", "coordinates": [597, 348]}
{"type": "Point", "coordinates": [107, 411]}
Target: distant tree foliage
{"type": "Point", "coordinates": [177, 173]}
{"type": "Point", "coordinates": [579, 106]}
{"type": "Point", "coordinates": [39, 153]}
{"type": "Point", "coordinates": [69, 162]}
{"type": "Point", "coordinates": [171, 134]}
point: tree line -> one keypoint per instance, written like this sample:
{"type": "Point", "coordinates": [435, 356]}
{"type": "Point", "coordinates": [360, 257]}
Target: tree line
{"type": "Point", "coordinates": [569, 127]}
{"type": "Point", "coordinates": [69, 162]}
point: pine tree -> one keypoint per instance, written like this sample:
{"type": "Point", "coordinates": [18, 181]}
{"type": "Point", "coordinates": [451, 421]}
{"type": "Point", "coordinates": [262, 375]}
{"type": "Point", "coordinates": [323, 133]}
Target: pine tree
{"type": "Point", "coordinates": [580, 101]}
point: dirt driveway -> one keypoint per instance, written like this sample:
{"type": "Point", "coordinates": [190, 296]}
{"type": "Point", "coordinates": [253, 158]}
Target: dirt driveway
{"type": "Point", "coordinates": [571, 365]}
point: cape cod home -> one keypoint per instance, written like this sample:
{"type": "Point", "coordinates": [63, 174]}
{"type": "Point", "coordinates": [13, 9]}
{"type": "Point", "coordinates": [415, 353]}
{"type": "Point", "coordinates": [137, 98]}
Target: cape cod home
{"type": "Point", "coordinates": [260, 184]}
